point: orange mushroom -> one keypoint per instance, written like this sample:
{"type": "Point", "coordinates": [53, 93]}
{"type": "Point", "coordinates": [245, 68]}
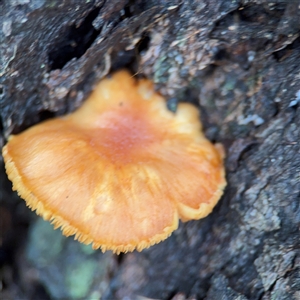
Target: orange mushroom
{"type": "Point", "coordinates": [121, 170]}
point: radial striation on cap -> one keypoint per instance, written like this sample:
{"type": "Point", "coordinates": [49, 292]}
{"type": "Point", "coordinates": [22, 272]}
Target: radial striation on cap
{"type": "Point", "coordinates": [120, 171]}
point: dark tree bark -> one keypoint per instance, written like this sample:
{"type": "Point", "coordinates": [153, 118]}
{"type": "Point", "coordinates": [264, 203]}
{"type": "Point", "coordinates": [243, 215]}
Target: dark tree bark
{"type": "Point", "coordinates": [239, 62]}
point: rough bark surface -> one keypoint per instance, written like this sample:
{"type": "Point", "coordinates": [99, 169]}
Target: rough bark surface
{"type": "Point", "coordinates": [237, 60]}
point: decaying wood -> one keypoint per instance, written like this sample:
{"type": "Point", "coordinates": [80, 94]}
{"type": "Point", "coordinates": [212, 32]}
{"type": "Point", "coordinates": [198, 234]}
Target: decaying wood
{"type": "Point", "coordinates": [237, 60]}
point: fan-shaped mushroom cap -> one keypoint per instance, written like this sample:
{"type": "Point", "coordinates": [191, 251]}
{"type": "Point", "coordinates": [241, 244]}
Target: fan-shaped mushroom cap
{"type": "Point", "coordinates": [121, 170]}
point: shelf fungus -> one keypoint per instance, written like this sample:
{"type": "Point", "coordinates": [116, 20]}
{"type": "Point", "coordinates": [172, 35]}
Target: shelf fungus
{"type": "Point", "coordinates": [120, 171]}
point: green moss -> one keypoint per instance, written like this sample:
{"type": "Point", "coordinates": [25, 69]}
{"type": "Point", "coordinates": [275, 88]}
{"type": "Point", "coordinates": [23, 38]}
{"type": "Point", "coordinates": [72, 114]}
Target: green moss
{"type": "Point", "coordinates": [230, 84]}
{"type": "Point", "coordinates": [86, 249]}
{"type": "Point", "coordinates": [52, 4]}
{"type": "Point", "coordinates": [41, 236]}
{"type": "Point", "coordinates": [79, 278]}
{"type": "Point", "coordinates": [160, 69]}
